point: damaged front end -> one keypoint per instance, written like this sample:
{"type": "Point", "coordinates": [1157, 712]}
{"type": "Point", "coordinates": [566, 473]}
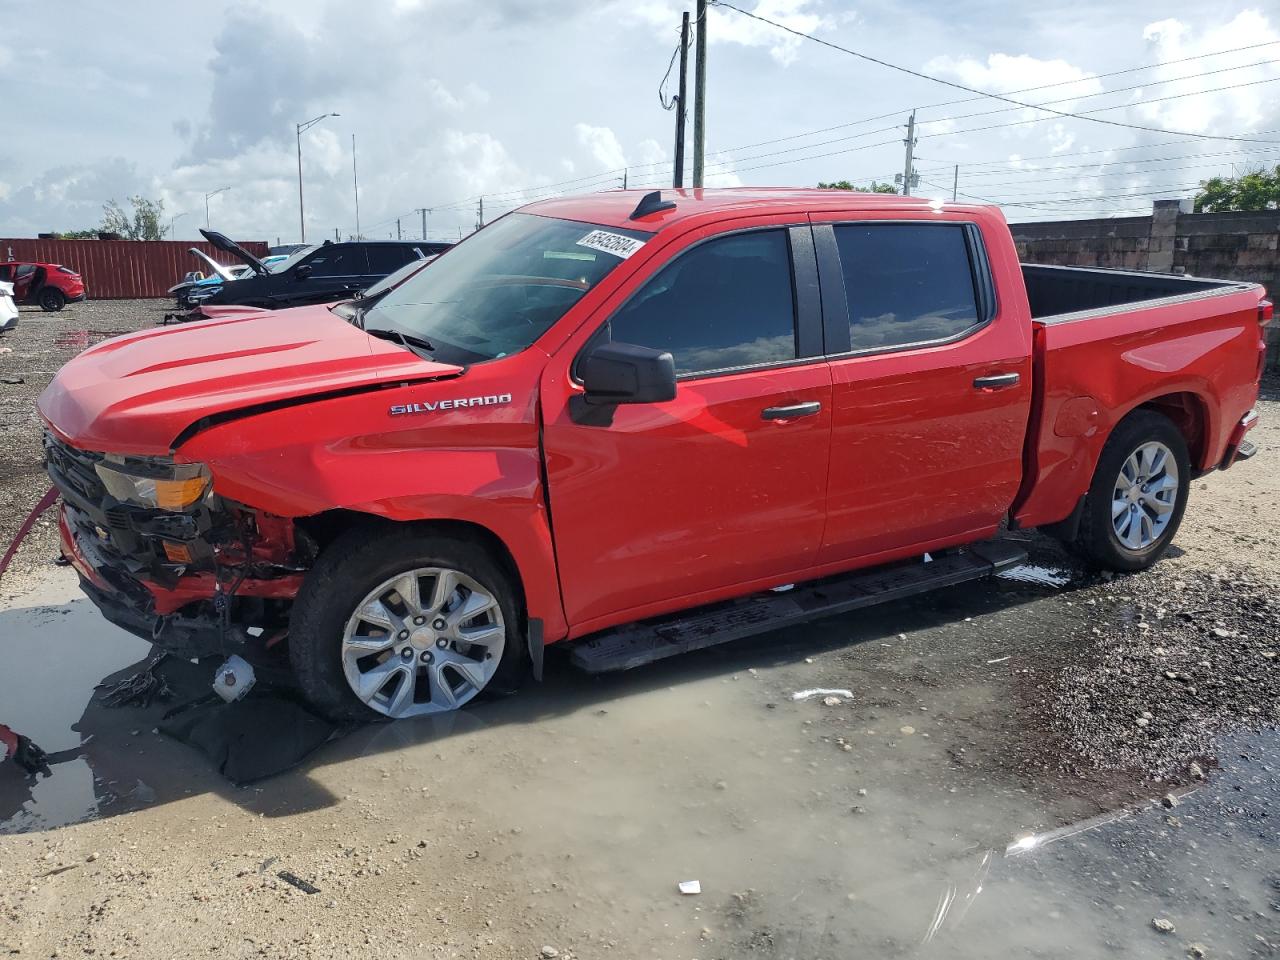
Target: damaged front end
{"type": "Point", "coordinates": [165, 558]}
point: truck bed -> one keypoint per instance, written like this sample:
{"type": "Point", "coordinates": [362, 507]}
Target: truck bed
{"type": "Point", "coordinates": [1109, 341]}
{"type": "Point", "coordinates": [1058, 293]}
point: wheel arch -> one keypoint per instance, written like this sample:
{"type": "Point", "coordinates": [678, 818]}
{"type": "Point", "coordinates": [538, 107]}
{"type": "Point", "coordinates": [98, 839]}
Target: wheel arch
{"type": "Point", "coordinates": [1189, 412]}
{"type": "Point", "coordinates": [530, 565]}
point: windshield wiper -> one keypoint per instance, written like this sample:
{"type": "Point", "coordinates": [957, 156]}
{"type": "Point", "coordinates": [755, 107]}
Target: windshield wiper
{"type": "Point", "coordinates": [417, 345]}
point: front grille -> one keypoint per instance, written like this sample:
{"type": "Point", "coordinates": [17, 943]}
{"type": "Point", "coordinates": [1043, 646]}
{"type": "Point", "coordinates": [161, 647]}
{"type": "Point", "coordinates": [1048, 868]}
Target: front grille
{"type": "Point", "coordinates": [69, 467]}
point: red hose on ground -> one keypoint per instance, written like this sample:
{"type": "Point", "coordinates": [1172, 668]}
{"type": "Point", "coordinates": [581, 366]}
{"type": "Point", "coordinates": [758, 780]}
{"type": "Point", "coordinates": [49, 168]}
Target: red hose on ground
{"type": "Point", "coordinates": [47, 501]}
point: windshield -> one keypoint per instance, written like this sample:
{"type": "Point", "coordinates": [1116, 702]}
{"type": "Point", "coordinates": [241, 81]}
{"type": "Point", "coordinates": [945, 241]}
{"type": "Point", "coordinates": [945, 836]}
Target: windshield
{"type": "Point", "coordinates": [397, 277]}
{"type": "Point", "coordinates": [292, 259]}
{"type": "Point", "coordinates": [503, 287]}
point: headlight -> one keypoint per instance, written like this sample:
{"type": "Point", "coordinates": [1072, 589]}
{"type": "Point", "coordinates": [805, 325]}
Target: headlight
{"type": "Point", "coordinates": [154, 482]}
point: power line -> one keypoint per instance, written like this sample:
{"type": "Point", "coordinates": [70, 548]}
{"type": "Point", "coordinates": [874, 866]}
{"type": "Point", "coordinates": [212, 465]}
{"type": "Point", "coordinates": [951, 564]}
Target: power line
{"type": "Point", "coordinates": [975, 90]}
{"type": "Point", "coordinates": [1138, 86]}
{"type": "Point", "coordinates": [1086, 115]}
{"type": "Point", "coordinates": [1044, 86]}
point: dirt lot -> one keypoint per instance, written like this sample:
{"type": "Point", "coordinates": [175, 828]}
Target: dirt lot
{"type": "Point", "coordinates": [41, 344]}
{"type": "Point", "coordinates": [1053, 764]}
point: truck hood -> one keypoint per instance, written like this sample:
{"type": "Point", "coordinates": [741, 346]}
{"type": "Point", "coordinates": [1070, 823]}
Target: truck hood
{"type": "Point", "coordinates": [227, 245]}
{"type": "Point", "coordinates": [137, 393]}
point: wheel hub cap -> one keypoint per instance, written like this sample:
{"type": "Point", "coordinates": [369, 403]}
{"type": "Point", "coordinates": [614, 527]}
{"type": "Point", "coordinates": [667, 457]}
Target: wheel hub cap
{"type": "Point", "coordinates": [425, 641]}
{"type": "Point", "coordinates": [1144, 497]}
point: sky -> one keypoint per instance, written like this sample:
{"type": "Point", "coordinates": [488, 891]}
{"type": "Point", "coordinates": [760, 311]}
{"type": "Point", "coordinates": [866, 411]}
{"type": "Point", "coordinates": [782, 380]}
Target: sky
{"type": "Point", "coordinates": [511, 100]}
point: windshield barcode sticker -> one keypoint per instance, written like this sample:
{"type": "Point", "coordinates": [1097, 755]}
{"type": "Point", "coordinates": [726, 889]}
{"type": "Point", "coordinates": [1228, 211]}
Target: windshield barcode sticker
{"type": "Point", "coordinates": [614, 243]}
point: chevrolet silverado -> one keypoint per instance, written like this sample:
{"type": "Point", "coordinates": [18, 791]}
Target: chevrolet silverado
{"type": "Point", "coordinates": [640, 424]}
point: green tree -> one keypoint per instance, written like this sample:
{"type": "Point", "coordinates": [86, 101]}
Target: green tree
{"type": "Point", "coordinates": [873, 187]}
{"type": "Point", "coordinates": [89, 234]}
{"type": "Point", "coordinates": [1254, 190]}
{"type": "Point", "coordinates": [143, 224]}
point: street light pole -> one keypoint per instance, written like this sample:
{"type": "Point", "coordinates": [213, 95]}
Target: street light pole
{"type": "Point", "coordinates": [172, 220]}
{"type": "Point", "coordinates": [206, 203]}
{"type": "Point", "coordinates": [299, 129]}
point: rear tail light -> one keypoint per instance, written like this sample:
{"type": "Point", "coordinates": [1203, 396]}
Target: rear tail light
{"type": "Point", "coordinates": [1266, 312]}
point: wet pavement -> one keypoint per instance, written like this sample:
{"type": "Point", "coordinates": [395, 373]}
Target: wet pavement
{"type": "Point", "coordinates": [933, 813]}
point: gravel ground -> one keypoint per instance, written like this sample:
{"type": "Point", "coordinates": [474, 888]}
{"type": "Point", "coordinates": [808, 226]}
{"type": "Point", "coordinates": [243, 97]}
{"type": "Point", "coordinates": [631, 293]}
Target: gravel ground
{"type": "Point", "coordinates": [39, 346]}
{"type": "Point", "coordinates": [564, 816]}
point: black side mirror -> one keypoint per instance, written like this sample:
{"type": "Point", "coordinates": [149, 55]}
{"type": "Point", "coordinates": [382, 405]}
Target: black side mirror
{"type": "Point", "coordinates": [625, 373]}
{"type": "Point", "coordinates": [302, 271]}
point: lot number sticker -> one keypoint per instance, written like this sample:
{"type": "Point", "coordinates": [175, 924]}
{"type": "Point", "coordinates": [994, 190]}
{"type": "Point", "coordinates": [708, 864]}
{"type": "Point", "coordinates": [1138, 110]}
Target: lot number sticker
{"type": "Point", "coordinates": [614, 243]}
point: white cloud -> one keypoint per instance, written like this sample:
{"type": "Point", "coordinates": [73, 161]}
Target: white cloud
{"type": "Point", "coordinates": [731, 27]}
{"type": "Point", "coordinates": [602, 143]}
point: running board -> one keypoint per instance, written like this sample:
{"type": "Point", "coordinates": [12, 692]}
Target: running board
{"type": "Point", "coordinates": [636, 644]}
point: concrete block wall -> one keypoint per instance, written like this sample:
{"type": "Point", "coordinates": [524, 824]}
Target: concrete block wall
{"type": "Point", "coordinates": [1233, 246]}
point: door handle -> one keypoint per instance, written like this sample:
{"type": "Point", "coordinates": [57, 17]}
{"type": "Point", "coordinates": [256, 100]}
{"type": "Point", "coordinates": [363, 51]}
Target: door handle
{"type": "Point", "coordinates": [791, 412]}
{"type": "Point", "coordinates": [997, 381]}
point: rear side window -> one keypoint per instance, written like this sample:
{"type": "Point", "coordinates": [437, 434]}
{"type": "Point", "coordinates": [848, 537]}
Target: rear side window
{"type": "Point", "coordinates": [386, 258]}
{"type": "Point", "coordinates": [6, 272]}
{"type": "Point", "coordinates": [338, 260]}
{"type": "Point", "coordinates": [906, 283]}
{"type": "Point", "coordinates": [726, 303]}
{"type": "Point", "coordinates": [25, 271]}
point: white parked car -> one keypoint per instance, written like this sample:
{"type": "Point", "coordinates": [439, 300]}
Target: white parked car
{"type": "Point", "coordinates": [8, 309]}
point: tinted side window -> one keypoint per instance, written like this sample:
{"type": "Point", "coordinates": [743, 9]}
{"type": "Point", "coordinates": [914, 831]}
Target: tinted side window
{"type": "Point", "coordinates": [906, 283]}
{"type": "Point", "coordinates": [6, 272]}
{"type": "Point", "coordinates": [24, 271]}
{"type": "Point", "coordinates": [386, 258]}
{"type": "Point", "coordinates": [726, 303]}
{"type": "Point", "coordinates": [337, 260]}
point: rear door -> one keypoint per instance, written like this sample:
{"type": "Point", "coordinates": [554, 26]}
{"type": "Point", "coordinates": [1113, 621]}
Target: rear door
{"type": "Point", "coordinates": [385, 259]}
{"type": "Point", "coordinates": [337, 270]}
{"type": "Point", "coordinates": [931, 384]}
{"type": "Point", "coordinates": [668, 504]}
{"type": "Point", "coordinates": [24, 276]}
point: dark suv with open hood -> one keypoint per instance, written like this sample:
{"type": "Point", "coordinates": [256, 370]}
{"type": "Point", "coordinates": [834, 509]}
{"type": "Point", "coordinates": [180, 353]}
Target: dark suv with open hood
{"type": "Point", "coordinates": [316, 274]}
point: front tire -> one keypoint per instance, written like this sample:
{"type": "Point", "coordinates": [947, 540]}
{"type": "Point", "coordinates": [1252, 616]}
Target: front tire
{"type": "Point", "coordinates": [1138, 495]}
{"type": "Point", "coordinates": [399, 623]}
{"type": "Point", "coordinates": [52, 299]}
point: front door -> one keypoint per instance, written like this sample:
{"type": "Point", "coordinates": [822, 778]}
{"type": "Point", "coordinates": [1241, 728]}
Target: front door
{"type": "Point", "coordinates": [722, 488]}
{"type": "Point", "coordinates": [931, 383]}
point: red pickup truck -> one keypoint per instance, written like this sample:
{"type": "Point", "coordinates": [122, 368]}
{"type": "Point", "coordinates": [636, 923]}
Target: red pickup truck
{"type": "Point", "coordinates": [634, 423]}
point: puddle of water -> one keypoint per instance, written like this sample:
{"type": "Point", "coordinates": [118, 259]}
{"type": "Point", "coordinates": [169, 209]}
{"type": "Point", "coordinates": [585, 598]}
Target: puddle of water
{"type": "Point", "coordinates": [57, 647]}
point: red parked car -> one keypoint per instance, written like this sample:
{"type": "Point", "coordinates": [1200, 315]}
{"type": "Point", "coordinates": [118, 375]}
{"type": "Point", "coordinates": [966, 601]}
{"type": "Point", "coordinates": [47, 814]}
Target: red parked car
{"type": "Point", "coordinates": [50, 285]}
{"type": "Point", "coordinates": [618, 421]}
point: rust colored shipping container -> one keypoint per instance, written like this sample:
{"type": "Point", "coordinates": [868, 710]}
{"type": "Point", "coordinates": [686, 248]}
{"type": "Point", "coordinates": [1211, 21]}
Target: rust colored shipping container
{"type": "Point", "coordinates": [122, 269]}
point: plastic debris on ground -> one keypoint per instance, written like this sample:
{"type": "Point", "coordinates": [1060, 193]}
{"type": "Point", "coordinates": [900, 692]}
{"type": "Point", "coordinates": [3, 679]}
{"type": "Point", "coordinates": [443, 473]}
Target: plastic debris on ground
{"type": "Point", "coordinates": [234, 679]}
{"type": "Point", "coordinates": [690, 887]}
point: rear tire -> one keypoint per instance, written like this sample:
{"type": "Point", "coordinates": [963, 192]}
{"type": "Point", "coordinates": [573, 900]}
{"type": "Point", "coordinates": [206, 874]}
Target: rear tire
{"type": "Point", "coordinates": [52, 299]}
{"type": "Point", "coordinates": [363, 648]}
{"type": "Point", "coordinates": [1138, 495]}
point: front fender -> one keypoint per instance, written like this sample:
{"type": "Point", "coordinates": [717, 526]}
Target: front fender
{"type": "Point", "coordinates": [480, 466]}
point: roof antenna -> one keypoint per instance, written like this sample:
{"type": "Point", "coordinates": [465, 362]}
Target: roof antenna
{"type": "Point", "coordinates": [651, 203]}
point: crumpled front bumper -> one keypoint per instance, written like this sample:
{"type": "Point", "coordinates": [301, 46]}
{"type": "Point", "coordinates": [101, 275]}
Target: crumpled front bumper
{"type": "Point", "coordinates": [130, 604]}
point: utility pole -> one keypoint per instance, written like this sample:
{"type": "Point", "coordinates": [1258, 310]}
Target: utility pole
{"type": "Point", "coordinates": [355, 183]}
{"type": "Point", "coordinates": [299, 130]}
{"type": "Point", "coordinates": [955, 183]}
{"type": "Point", "coordinates": [335, 234]}
{"type": "Point", "coordinates": [700, 97]}
{"type": "Point", "coordinates": [624, 178]}
{"type": "Point", "coordinates": [908, 170]}
{"type": "Point", "coordinates": [678, 180]}
{"type": "Point", "coordinates": [480, 215]}
{"type": "Point", "coordinates": [423, 211]}
{"type": "Point", "coordinates": [398, 237]}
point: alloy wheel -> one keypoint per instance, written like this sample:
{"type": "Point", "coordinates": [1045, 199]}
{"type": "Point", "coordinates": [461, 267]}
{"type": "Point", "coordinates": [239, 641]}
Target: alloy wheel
{"type": "Point", "coordinates": [425, 641]}
{"type": "Point", "coordinates": [1145, 493]}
